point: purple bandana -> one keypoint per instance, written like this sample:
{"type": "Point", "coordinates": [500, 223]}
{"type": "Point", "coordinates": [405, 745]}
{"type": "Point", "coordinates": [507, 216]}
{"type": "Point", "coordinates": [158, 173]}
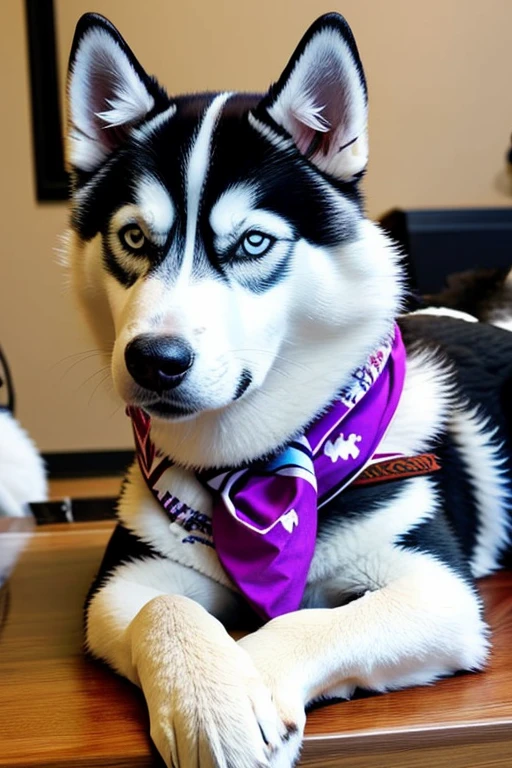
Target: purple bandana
{"type": "Point", "coordinates": [265, 515]}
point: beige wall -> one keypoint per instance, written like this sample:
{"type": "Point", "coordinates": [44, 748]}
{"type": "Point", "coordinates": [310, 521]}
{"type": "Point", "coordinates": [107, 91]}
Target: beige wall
{"type": "Point", "coordinates": [440, 79]}
{"type": "Point", "coordinates": [38, 326]}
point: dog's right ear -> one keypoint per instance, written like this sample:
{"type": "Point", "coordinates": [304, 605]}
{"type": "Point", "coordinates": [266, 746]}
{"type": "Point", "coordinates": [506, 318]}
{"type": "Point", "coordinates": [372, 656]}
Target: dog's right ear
{"type": "Point", "coordinates": [108, 93]}
{"type": "Point", "coordinates": [321, 102]}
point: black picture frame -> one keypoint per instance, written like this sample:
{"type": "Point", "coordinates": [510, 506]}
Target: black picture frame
{"type": "Point", "coordinates": [51, 179]}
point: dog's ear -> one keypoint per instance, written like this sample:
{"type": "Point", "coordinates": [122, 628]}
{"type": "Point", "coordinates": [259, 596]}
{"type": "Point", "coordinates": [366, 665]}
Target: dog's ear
{"type": "Point", "coordinates": [108, 93]}
{"type": "Point", "coordinates": [320, 100]}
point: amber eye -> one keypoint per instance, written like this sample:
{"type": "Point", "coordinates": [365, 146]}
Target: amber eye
{"type": "Point", "coordinates": [132, 238]}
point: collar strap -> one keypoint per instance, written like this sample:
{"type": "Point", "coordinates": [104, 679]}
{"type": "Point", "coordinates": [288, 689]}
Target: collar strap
{"type": "Point", "coordinates": [398, 469]}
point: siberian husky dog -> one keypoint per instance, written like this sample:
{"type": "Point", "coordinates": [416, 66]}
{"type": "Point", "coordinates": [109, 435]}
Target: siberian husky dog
{"type": "Point", "coordinates": [220, 251]}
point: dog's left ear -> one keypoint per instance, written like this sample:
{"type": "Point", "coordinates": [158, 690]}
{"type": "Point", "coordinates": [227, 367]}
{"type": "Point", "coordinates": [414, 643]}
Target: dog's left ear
{"type": "Point", "coordinates": [321, 99]}
{"type": "Point", "coordinates": [108, 93]}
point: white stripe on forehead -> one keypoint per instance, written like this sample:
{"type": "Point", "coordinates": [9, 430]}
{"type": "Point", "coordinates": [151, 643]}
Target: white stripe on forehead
{"type": "Point", "coordinates": [197, 170]}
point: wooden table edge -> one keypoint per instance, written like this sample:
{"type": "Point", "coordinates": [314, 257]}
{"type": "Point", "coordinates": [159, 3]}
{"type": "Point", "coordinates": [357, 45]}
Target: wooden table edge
{"type": "Point", "coordinates": [450, 734]}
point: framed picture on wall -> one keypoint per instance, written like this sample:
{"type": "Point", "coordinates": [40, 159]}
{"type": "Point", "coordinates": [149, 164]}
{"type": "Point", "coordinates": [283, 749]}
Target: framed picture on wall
{"type": "Point", "coordinates": [51, 181]}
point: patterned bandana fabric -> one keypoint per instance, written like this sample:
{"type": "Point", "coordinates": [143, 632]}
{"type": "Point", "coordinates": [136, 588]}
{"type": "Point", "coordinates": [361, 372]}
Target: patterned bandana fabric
{"type": "Point", "coordinates": [265, 514]}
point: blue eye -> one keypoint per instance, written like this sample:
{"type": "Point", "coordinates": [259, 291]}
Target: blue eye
{"type": "Point", "coordinates": [256, 244]}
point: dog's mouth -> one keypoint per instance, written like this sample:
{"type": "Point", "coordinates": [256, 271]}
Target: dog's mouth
{"type": "Point", "coordinates": [163, 409]}
{"type": "Point", "coordinates": [180, 408]}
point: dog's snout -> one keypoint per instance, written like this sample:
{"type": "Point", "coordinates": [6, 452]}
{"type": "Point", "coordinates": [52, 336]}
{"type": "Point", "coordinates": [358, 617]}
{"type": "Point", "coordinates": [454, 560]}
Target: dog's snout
{"type": "Point", "coordinates": [158, 363]}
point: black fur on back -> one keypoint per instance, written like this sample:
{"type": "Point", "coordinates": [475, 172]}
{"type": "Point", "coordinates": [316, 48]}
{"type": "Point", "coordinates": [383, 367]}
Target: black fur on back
{"type": "Point", "coordinates": [480, 356]}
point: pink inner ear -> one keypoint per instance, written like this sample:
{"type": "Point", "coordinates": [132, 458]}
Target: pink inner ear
{"type": "Point", "coordinates": [101, 92]}
{"type": "Point", "coordinates": [304, 136]}
{"type": "Point", "coordinates": [322, 105]}
{"type": "Point", "coordinates": [319, 120]}
{"type": "Point", "coordinates": [114, 135]}
{"type": "Point", "coordinates": [108, 95]}
{"type": "Point", "coordinates": [310, 141]}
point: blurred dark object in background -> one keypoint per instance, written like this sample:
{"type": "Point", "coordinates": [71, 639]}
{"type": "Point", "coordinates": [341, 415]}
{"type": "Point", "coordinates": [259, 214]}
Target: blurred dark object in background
{"type": "Point", "coordinates": [439, 243]}
{"type": "Point", "coordinates": [7, 399]}
{"type": "Point", "coordinates": [484, 293]}
{"type": "Point", "coordinates": [509, 154]}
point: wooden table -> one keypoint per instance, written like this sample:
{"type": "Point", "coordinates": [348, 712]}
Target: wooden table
{"type": "Point", "coordinates": [60, 709]}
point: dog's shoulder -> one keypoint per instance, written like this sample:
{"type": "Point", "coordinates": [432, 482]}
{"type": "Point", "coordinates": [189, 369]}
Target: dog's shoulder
{"type": "Point", "coordinates": [475, 449]}
{"type": "Point", "coordinates": [479, 356]}
{"type": "Point", "coordinates": [466, 343]}
{"type": "Point", "coordinates": [456, 403]}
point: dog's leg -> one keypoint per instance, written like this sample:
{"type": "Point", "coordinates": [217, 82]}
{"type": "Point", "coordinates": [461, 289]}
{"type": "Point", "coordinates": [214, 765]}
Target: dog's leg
{"type": "Point", "coordinates": [208, 705]}
{"type": "Point", "coordinates": [415, 616]}
{"type": "Point", "coordinates": [158, 623]}
{"type": "Point", "coordinates": [421, 626]}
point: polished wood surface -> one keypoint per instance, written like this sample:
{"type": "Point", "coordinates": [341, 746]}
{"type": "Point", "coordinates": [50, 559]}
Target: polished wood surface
{"type": "Point", "coordinates": [83, 487]}
{"type": "Point", "coordinates": [58, 708]}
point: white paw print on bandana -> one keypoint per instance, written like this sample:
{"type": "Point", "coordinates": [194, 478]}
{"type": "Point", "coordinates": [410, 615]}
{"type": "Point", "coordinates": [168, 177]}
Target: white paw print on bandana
{"type": "Point", "coordinates": [289, 520]}
{"type": "Point", "coordinates": [343, 448]}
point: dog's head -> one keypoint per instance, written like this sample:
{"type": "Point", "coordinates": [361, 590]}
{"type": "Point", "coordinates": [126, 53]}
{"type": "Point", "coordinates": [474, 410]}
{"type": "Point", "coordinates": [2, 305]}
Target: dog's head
{"type": "Point", "coordinates": [218, 242]}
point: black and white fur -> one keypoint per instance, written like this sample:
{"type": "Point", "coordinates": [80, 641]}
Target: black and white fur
{"type": "Point", "coordinates": [234, 224]}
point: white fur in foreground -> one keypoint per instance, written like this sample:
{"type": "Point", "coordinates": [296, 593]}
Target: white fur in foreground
{"type": "Point", "coordinates": [22, 472]}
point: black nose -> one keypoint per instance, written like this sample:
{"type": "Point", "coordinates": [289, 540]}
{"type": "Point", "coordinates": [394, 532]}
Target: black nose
{"type": "Point", "coordinates": [158, 363]}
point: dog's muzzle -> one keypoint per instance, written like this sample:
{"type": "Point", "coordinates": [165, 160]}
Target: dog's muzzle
{"type": "Point", "coordinates": [158, 363]}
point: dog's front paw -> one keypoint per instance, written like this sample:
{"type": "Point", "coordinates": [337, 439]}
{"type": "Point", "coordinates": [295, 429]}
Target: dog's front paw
{"type": "Point", "coordinates": [281, 679]}
{"type": "Point", "coordinates": [220, 714]}
{"type": "Point", "coordinates": [293, 716]}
